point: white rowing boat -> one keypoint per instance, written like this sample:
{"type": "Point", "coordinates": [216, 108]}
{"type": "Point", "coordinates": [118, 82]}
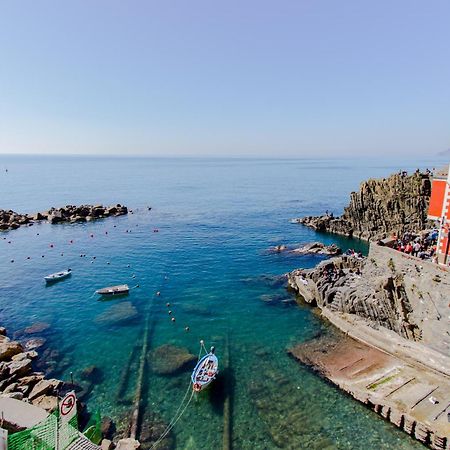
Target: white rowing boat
{"type": "Point", "coordinates": [120, 289]}
{"type": "Point", "coordinates": [58, 276]}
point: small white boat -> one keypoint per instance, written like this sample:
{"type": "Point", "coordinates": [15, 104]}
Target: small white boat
{"type": "Point", "coordinates": [120, 289]}
{"type": "Point", "coordinates": [57, 276]}
{"type": "Point", "coordinates": [205, 371]}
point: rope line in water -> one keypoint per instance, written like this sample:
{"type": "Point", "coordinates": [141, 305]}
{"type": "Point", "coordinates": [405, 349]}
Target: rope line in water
{"type": "Point", "coordinates": [177, 416]}
{"type": "Point", "coordinates": [174, 422]}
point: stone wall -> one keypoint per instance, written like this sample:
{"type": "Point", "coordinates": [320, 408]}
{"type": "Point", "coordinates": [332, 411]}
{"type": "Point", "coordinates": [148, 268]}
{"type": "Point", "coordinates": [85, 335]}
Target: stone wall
{"type": "Point", "coordinates": [388, 289]}
{"type": "Point", "coordinates": [380, 208]}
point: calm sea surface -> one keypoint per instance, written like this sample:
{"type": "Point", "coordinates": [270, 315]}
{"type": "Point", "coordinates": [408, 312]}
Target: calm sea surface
{"type": "Point", "coordinates": [216, 220]}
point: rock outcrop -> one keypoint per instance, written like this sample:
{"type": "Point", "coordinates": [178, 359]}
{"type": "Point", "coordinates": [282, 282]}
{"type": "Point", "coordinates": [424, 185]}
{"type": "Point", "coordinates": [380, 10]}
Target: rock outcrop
{"type": "Point", "coordinates": [17, 379]}
{"type": "Point", "coordinates": [10, 220]}
{"type": "Point", "coordinates": [313, 248]}
{"type": "Point", "coordinates": [382, 207]}
{"type": "Point", "coordinates": [388, 289]}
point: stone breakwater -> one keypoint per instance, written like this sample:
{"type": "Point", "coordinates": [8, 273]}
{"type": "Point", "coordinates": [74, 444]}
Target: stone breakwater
{"type": "Point", "coordinates": [380, 208]}
{"type": "Point", "coordinates": [397, 305]}
{"type": "Point", "coordinates": [11, 220]}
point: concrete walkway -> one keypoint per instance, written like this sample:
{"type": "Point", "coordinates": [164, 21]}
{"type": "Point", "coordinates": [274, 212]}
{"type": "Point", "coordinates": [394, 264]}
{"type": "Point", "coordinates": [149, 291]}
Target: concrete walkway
{"type": "Point", "coordinates": [18, 415]}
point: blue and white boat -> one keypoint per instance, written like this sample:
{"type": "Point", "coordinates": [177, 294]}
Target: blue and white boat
{"type": "Point", "coordinates": [205, 371]}
{"type": "Point", "coordinates": [57, 276]}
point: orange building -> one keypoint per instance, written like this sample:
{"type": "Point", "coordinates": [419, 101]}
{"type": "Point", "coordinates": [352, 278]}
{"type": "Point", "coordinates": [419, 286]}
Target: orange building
{"type": "Point", "coordinates": [439, 210]}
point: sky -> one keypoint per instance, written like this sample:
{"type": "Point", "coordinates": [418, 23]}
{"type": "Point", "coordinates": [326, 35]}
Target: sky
{"type": "Point", "coordinates": [233, 78]}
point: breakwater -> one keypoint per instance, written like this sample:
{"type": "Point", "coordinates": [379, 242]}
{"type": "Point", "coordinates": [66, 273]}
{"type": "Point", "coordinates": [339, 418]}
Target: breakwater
{"type": "Point", "coordinates": [11, 220]}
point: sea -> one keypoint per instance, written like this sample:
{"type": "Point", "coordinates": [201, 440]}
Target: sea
{"type": "Point", "coordinates": [199, 233]}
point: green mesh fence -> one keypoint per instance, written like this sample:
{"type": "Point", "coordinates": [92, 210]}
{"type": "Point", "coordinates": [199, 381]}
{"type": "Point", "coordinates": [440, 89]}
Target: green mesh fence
{"type": "Point", "coordinates": [50, 434]}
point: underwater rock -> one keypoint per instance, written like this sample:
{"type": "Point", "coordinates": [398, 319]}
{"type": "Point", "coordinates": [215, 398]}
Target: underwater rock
{"type": "Point", "coordinates": [35, 343]}
{"type": "Point", "coordinates": [152, 429]}
{"type": "Point", "coordinates": [108, 427]}
{"type": "Point", "coordinates": [169, 359]}
{"type": "Point", "coordinates": [277, 299]}
{"type": "Point", "coordinates": [92, 374]}
{"type": "Point", "coordinates": [120, 313]}
{"type": "Point", "coordinates": [37, 327]}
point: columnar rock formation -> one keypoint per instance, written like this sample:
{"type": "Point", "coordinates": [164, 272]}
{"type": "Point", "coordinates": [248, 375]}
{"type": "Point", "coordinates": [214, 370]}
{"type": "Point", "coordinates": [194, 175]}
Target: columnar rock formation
{"type": "Point", "coordinates": [382, 207]}
{"type": "Point", "coordinates": [10, 220]}
{"type": "Point", "coordinates": [387, 289]}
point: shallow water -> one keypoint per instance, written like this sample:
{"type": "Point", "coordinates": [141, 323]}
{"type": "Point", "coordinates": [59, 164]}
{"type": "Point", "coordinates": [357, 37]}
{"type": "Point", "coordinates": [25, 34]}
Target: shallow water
{"type": "Point", "coordinates": [216, 219]}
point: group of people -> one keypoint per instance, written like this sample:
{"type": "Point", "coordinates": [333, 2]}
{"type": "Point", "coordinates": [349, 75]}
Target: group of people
{"type": "Point", "coordinates": [354, 253]}
{"type": "Point", "coordinates": [420, 246]}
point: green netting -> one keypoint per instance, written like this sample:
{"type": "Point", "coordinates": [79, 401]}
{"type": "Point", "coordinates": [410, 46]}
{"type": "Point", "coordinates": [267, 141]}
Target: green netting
{"type": "Point", "coordinates": [46, 435]}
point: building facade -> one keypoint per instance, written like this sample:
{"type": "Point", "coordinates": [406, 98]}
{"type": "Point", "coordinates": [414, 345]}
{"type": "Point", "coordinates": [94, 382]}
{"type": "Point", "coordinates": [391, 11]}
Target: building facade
{"type": "Point", "coordinates": [439, 210]}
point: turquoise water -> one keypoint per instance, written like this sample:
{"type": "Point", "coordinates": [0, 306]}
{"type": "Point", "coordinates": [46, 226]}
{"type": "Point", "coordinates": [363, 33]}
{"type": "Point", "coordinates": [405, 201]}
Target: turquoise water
{"type": "Point", "coordinates": [216, 220]}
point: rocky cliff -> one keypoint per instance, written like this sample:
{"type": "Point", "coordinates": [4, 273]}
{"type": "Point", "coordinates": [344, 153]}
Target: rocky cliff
{"type": "Point", "coordinates": [382, 207]}
{"type": "Point", "coordinates": [388, 289]}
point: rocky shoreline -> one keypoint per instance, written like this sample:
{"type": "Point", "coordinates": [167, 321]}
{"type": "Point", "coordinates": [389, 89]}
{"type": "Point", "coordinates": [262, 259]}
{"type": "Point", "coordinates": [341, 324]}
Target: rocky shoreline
{"type": "Point", "coordinates": [19, 381]}
{"type": "Point", "coordinates": [11, 220]}
{"type": "Point", "coordinates": [380, 208]}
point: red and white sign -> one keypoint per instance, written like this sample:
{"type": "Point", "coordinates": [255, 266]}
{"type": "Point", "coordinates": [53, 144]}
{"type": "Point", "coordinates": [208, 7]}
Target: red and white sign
{"type": "Point", "coordinates": [68, 407]}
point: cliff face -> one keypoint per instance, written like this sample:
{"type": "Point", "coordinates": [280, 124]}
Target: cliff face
{"type": "Point", "coordinates": [388, 289]}
{"type": "Point", "coordinates": [381, 207]}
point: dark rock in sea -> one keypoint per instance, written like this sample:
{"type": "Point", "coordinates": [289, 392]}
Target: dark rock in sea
{"type": "Point", "coordinates": [108, 428]}
{"type": "Point", "coordinates": [92, 374]}
{"type": "Point", "coordinates": [169, 359]}
{"type": "Point", "coordinates": [152, 429]}
{"type": "Point", "coordinates": [36, 328]}
{"type": "Point", "coordinates": [121, 313]}
{"type": "Point", "coordinates": [35, 343]}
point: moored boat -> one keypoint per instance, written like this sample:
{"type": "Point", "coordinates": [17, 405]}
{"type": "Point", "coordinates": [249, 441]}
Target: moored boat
{"type": "Point", "coordinates": [57, 276]}
{"type": "Point", "coordinates": [205, 371]}
{"type": "Point", "coordinates": [121, 289]}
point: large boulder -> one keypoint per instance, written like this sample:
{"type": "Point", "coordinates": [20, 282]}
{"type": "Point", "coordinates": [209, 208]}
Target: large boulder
{"type": "Point", "coordinates": [8, 349]}
{"type": "Point", "coordinates": [169, 359]}
{"type": "Point", "coordinates": [37, 327]}
{"type": "Point", "coordinates": [44, 387]}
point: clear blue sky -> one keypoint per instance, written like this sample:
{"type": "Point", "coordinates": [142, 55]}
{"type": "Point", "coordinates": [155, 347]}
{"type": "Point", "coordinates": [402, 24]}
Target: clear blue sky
{"type": "Point", "coordinates": [248, 77]}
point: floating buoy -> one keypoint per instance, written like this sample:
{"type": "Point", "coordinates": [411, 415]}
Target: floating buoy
{"type": "Point", "coordinates": [149, 208]}
{"type": "Point", "coordinates": [173, 319]}
{"type": "Point", "coordinates": [170, 312]}
{"type": "Point", "coordinates": [167, 304]}
{"type": "Point", "coordinates": [43, 256]}
{"type": "Point", "coordinates": [137, 285]}
{"type": "Point", "coordinates": [115, 226]}
{"type": "Point", "coordinates": [28, 257]}
{"type": "Point", "coordinates": [12, 260]}
{"type": "Point", "coordinates": [92, 262]}
{"type": "Point", "coordinates": [81, 256]}
{"type": "Point", "coordinates": [71, 241]}
{"type": "Point", "coordinates": [51, 245]}
{"type": "Point", "coordinates": [108, 263]}
{"type": "Point", "coordinates": [186, 329]}
{"type": "Point", "coordinates": [158, 293]}
{"type": "Point", "coordinates": [94, 257]}
{"type": "Point", "coordinates": [92, 235]}
{"type": "Point", "coordinates": [9, 242]}
{"type": "Point", "coordinates": [128, 265]}
{"type": "Point", "coordinates": [37, 234]}
{"type": "Point", "coordinates": [155, 230]}
{"type": "Point", "coordinates": [106, 232]}
{"type": "Point", "coordinates": [62, 254]}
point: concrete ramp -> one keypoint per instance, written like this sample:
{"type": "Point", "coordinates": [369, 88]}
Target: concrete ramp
{"type": "Point", "coordinates": [18, 415]}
